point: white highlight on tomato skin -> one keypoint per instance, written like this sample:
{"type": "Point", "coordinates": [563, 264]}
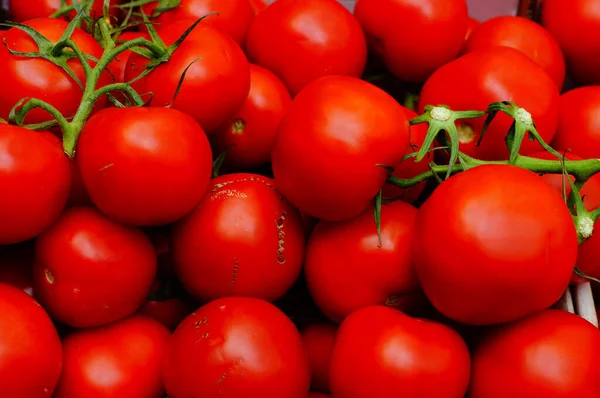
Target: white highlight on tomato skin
{"type": "Point", "coordinates": [524, 116]}
{"type": "Point", "coordinates": [440, 114]}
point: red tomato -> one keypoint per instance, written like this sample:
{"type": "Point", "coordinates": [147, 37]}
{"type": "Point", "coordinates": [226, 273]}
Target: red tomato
{"type": "Point", "coordinates": [144, 166]}
{"type": "Point", "coordinates": [24, 10]}
{"type": "Point", "coordinates": [16, 263]}
{"type": "Point", "coordinates": [91, 271]}
{"type": "Point", "coordinates": [414, 38]}
{"type": "Point", "coordinates": [303, 40]}
{"type": "Point", "coordinates": [465, 84]}
{"type": "Point", "coordinates": [123, 359]}
{"type": "Point", "coordinates": [30, 352]}
{"type": "Point", "coordinates": [472, 23]}
{"type": "Point", "coordinates": [35, 176]}
{"type": "Point", "coordinates": [250, 134]}
{"type": "Point", "coordinates": [346, 257]}
{"type": "Point", "coordinates": [331, 144]}
{"type": "Point", "coordinates": [524, 35]}
{"type": "Point", "coordinates": [252, 241]}
{"type": "Point", "coordinates": [218, 65]}
{"type": "Point", "coordinates": [237, 347]}
{"type": "Point", "coordinates": [25, 77]}
{"type": "Point", "coordinates": [578, 122]}
{"type": "Point", "coordinates": [505, 245]}
{"type": "Point", "coordinates": [259, 5]}
{"type": "Point", "coordinates": [318, 342]}
{"type": "Point", "coordinates": [381, 352]}
{"type": "Point", "coordinates": [553, 354]}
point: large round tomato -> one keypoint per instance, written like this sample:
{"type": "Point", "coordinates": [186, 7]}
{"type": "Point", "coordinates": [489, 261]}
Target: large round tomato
{"type": "Point", "coordinates": [381, 352]}
{"type": "Point", "coordinates": [16, 264]}
{"type": "Point", "coordinates": [30, 349]}
{"type": "Point", "coordinates": [332, 143]}
{"type": "Point", "coordinates": [237, 348]}
{"type": "Point", "coordinates": [144, 166]}
{"type": "Point", "coordinates": [303, 40]}
{"type": "Point", "coordinates": [553, 354]}
{"type": "Point", "coordinates": [90, 271]}
{"type": "Point", "coordinates": [475, 80]}
{"type": "Point", "coordinates": [123, 359]}
{"type": "Point", "coordinates": [216, 83]}
{"type": "Point", "coordinates": [35, 176]}
{"type": "Point", "coordinates": [493, 244]}
{"type": "Point", "coordinates": [26, 77]}
{"type": "Point", "coordinates": [21, 11]}
{"type": "Point", "coordinates": [414, 38]}
{"type": "Point", "coordinates": [252, 241]}
{"type": "Point", "coordinates": [318, 341]}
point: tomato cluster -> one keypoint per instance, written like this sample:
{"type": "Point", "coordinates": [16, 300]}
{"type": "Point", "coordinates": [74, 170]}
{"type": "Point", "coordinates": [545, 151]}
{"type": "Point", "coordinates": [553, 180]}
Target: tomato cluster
{"type": "Point", "coordinates": [237, 199]}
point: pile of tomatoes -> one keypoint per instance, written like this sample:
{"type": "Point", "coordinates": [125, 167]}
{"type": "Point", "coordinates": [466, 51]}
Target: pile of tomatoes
{"type": "Point", "coordinates": [197, 199]}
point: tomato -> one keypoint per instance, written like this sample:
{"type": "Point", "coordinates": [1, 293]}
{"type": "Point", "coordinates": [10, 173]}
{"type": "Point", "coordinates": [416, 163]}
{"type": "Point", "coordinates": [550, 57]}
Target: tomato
{"type": "Point", "coordinates": [578, 122]}
{"type": "Point", "coordinates": [465, 84]}
{"type": "Point", "coordinates": [318, 341]}
{"type": "Point", "coordinates": [553, 354]}
{"type": "Point", "coordinates": [558, 181]}
{"type": "Point", "coordinates": [259, 5]}
{"type": "Point", "coordinates": [216, 65]}
{"type": "Point", "coordinates": [35, 176]}
{"type": "Point", "coordinates": [303, 40]}
{"type": "Point", "coordinates": [504, 245]}
{"type": "Point", "coordinates": [91, 271]}
{"type": "Point", "coordinates": [232, 17]}
{"type": "Point", "coordinates": [414, 38]}
{"type": "Point", "coordinates": [472, 23]}
{"type": "Point", "coordinates": [123, 359]}
{"type": "Point", "coordinates": [249, 136]}
{"type": "Point", "coordinates": [575, 24]}
{"type": "Point", "coordinates": [252, 241]}
{"type": "Point", "coordinates": [25, 77]}
{"type": "Point", "coordinates": [524, 35]}
{"type": "Point", "coordinates": [406, 356]}
{"type": "Point", "coordinates": [144, 166]}
{"type": "Point", "coordinates": [237, 347]}
{"type": "Point", "coordinates": [16, 263]}
{"type": "Point", "coordinates": [21, 11]}
{"type": "Point", "coordinates": [119, 64]}
{"type": "Point", "coordinates": [331, 144]}
{"type": "Point", "coordinates": [31, 353]}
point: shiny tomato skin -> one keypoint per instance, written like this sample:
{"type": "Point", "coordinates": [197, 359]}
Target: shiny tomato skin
{"type": "Point", "coordinates": [21, 11]}
{"type": "Point", "coordinates": [252, 239]}
{"type": "Point", "coordinates": [16, 264]}
{"type": "Point", "coordinates": [553, 354]}
{"type": "Point", "coordinates": [144, 165]}
{"type": "Point", "coordinates": [237, 347]}
{"type": "Point", "coordinates": [503, 236]}
{"type": "Point", "coordinates": [346, 257]}
{"type": "Point", "coordinates": [303, 40]}
{"type": "Point", "coordinates": [35, 175]}
{"type": "Point", "coordinates": [91, 271]}
{"type": "Point", "coordinates": [249, 136]}
{"type": "Point", "coordinates": [408, 357]}
{"type": "Point", "coordinates": [26, 77]}
{"type": "Point", "coordinates": [318, 341]}
{"type": "Point", "coordinates": [331, 144]}
{"type": "Point", "coordinates": [219, 66]}
{"type": "Point", "coordinates": [31, 352]}
{"type": "Point", "coordinates": [123, 359]}
{"type": "Point", "coordinates": [465, 84]}
{"type": "Point", "coordinates": [414, 38]}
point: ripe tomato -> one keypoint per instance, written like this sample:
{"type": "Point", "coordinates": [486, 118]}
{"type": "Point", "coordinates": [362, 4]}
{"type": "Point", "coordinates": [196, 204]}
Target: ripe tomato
{"type": "Point", "coordinates": [331, 144]}
{"type": "Point", "coordinates": [464, 84]}
{"type": "Point", "coordinates": [218, 65]}
{"type": "Point", "coordinates": [16, 263]}
{"type": "Point", "coordinates": [303, 40]}
{"type": "Point", "coordinates": [21, 11]}
{"type": "Point", "coordinates": [524, 35]}
{"type": "Point", "coordinates": [553, 354]}
{"type": "Point", "coordinates": [318, 341]}
{"type": "Point", "coordinates": [505, 245]}
{"type": "Point", "coordinates": [26, 77]}
{"type": "Point", "coordinates": [91, 271]}
{"type": "Point", "coordinates": [252, 239]}
{"type": "Point", "coordinates": [375, 275]}
{"type": "Point", "coordinates": [144, 166]}
{"type": "Point", "coordinates": [259, 5]}
{"type": "Point", "coordinates": [31, 353]}
{"type": "Point", "coordinates": [471, 25]}
{"type": "Point", "coordinates": [421, 358]}
{"type": "Point", "coordinates": [123, 359]}
{"type": "Point", "coordinates": [232, 17]}
{"type": "Point", "coordinates": [237, 347]}
{"type": "Point", "coordinates": [414, 38]}
{"type": "Point", "coordinates": [249, 136]}
{"type": "Point", "coordinates": [35, 176]}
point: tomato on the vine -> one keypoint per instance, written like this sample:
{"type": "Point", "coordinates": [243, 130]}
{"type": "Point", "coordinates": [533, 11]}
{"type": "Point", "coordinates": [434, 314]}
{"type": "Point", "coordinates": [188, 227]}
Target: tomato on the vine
{"type": "Point", "coordinates": [318, 341]}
